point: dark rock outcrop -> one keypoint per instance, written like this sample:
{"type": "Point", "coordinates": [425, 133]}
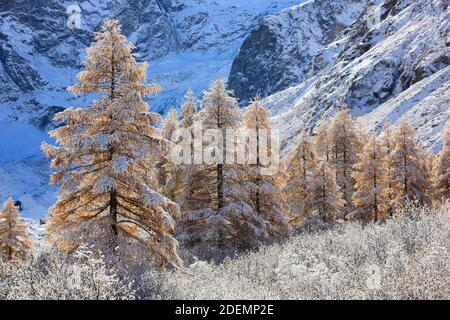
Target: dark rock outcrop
{"type": "Point", "coordinates": [287, 47]}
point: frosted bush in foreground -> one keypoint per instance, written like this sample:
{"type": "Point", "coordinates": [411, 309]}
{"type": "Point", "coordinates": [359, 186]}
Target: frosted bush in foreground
{"type": "Point", "coordinates": [54, 276]}
{"type": "Point", "coordinates": [405, 258]}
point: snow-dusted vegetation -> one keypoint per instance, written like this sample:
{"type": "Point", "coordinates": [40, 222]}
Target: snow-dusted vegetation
{"type": "Point", "coordinates": [52, 275]}
{"type": "Point", "coordinates": [405, 258]}
{"type": "Point", "coordinates": [300, 195]}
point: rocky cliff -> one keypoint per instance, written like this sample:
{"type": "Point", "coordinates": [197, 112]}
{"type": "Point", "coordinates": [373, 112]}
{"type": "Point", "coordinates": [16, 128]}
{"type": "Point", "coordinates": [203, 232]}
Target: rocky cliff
{"type": "Point", "coordinates": [393, 63]}
{"type": "Point", "coordinates": [288, 47]}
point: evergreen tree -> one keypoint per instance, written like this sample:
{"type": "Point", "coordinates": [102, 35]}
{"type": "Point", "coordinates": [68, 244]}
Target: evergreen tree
{"type": "Point", "coordinates": [15, 243]}
{"type": "Point", "coordinates": [264, 190]}
{"type": "Point", "coordinates": [370, 183]}
{"type": "Point", "coordinates": [300, 168]}
{"type": "Point", "coordinates": [328, 199]}
{"type": "Point", "coordinates": [441, 169]}
{"type": "Point", "coordinates": [104, 159]}
{"type": "Point", "coordinates": [408, 163]}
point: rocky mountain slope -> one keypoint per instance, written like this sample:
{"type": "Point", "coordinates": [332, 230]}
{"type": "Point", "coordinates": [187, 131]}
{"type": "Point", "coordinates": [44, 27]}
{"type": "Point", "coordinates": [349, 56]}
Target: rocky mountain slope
{"type": "Point", "coordinates": [385, 59]}
{"type": "Point", "coordinates": [187, 43]}
{"type": "Point", "coordinates": [393, 64]}
{"type": "Point", "coordinates": [288, 47]}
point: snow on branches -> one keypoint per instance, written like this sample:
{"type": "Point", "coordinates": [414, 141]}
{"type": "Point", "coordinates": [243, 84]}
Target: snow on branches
{"type": "Point", "coordinates": [104, 160]}
{"type": "Point", "coordinates": [15, 243]}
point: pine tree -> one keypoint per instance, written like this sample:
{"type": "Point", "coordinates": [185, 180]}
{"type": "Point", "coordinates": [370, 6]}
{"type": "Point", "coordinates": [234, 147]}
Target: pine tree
{"type": "Point", "coordinates": [328, 199]}
{"type": "Point", "coordinates": [218, 216]}
{"type": "Point", "coordinates": [104, 160]}
{"type": "Point", "coordinates": [15, 243]}
{"type": "Point", "coordinates": [264, 190]}
{"type": "Point", "coordinates": [408, 163]}
{"type": "Point", "coordinates": [370, 183]}
{"type": "Point", "coordinates": [300, 168]}
{"type": "Point", "coordinates": [345, 149]}
{"type": "Point", "coordinates": [441, 169]}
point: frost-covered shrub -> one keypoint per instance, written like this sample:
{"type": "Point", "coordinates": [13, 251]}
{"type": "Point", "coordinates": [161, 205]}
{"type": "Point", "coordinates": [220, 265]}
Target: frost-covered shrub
{"type": "Point", "coordinates": [404, 258]}
{"type": "Point", "coordinates": [53, 275]}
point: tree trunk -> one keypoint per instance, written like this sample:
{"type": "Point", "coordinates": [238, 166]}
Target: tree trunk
{"type": "Point", "coordinates": [376, 197]}
{"type": "Point", "coordinates": [113, 193]}
{"type": "Point", "coordinates": [9, 253]}
{"type": "Point", "coordinates": [220, 202]}
{"type": "Point", "coordinates": [220, 179]}
{"type": "Point", "coordinates": [258, 178]}
{"type": "Point", "coordinates": [113, 211]}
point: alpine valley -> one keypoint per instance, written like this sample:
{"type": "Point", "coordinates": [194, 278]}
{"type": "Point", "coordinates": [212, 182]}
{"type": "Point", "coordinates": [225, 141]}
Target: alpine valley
{"type": "Point", "coordinates": [385, 59]}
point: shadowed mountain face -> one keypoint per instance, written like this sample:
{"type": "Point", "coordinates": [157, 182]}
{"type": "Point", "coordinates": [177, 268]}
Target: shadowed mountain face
{"type": "Point", "coordinates": [391, 62]}
{"type": "Point", "coordinates": [35, 40]}
{"type": "Point", "coordinates": [288, 47]}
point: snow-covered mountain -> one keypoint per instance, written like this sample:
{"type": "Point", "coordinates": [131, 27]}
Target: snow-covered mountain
{"type": "Point", "coordinates": [385, 59]}
{"type": "Point", "coordinates": [288, 47]}
{"type": "Point", "coordinates": [187, 43]}
{"type": "Point", "coordinates": [391, 63]}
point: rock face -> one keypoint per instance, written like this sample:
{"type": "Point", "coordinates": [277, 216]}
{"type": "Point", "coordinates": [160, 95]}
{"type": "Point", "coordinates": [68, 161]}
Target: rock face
{"type": "Point", "coordinates": [287, 47]}
{"type": "Point", "coordinates": [36, 30]}
{"type": "Point", "coordinates": [393, 64]}
{"type": "Point", "coordinates": [187, 43]}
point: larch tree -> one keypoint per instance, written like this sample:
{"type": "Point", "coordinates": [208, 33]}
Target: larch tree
{"type": "Point", "coordinates": [15, 243]}
{"type": "Point", "coordinates": [264, 189]}
{"type": "Point", "coordinates": [370, 180]}
{"type": "Point", "coordinates": [387, 144]}
{"type": "Point", "coordinates": [328, 199]}
{"type": "Point", "coordinates": [218, 217]}
{"type": "Point", "coordinates": [176, 183]}
{"type": "Point", "coordinates": [363, 133]}
{"type": "Point", "coordinates": [322, 141]}
{"type": "Point", "coordinates": [104, 159]}
{"type": "Point", "coordinates": [169, 126]}
{"type": "Point", "coordinates": [409, 173]}
{"type": "Point", "coordinates": [189, 110]}
{"type": "Point", "coordinates": [345, 149]}
{"type": "Point", "coordinates": [441, 169]}
{"type": "Point", "coordinates": [300, 168]}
